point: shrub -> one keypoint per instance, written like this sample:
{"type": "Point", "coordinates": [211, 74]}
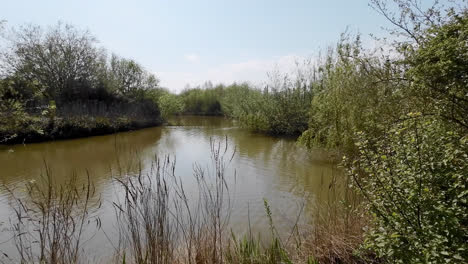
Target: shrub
{"type": "Point", "coordinates": [170, 104]}
{"type": "Point", "coordinates": [414, 180]}
{"type": "Point", "coordinates": [355, 91]}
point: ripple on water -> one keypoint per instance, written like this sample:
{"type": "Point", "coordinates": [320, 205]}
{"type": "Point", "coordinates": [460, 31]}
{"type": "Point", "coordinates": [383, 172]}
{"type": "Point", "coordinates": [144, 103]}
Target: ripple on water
{"type": "Point", "coordinates": [265, 167]}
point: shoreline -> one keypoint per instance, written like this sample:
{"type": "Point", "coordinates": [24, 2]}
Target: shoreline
{"type": "Point", "coordinates": [78, 127]}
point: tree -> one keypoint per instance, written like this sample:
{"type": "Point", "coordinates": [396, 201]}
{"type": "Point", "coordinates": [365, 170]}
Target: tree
{"type": "Point", "coordinates": [170, 104]}
{"type": "Point", "coordinates": [355, 91]}
{"type": "Point", "coordinates": [438, 70]}
{"type": "Point", "coordinates": [432, 44]}
{"type": "Point", "coordinates": [62, 59]}
{"type": "Point", "coordinates": [2, 22]}
{"type": "Point", "coordinates": [129, 78]}
{"type": "Point", "coordinates": [13, 115]}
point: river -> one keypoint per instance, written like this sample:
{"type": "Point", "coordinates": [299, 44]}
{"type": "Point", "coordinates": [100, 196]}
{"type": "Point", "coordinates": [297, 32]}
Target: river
{"type": "Point", "coordinates": [264, 167]}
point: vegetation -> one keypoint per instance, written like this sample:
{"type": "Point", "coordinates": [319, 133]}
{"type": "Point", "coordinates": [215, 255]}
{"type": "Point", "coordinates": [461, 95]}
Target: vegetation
{"type": "Point", "coordinates": [170, 104]}
{"type": "Point", "coordinates": [159, 221]}
{"type": "Point", "coordinates": [203, 100]}
{"type": "Point", "coordinates": [400, 120]}
{"type": "Point", "coordinates": [414, 180]}
{"type": "Point", "coordinates": [401, 123]}
{"type": "Point", "coordinates": [280, 109]}
{"type": "Point", "coordinates": [57, 83]}
{"type": "Point", "coordinates": [52, 222]}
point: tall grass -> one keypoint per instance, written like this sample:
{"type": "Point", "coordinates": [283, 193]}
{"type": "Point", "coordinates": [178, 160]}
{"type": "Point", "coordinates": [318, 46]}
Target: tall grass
{"type": "Point", "coordinates": [160, 220]}
{"type": "Point", "coordinates": [336, 232]}
{"type": "Point", "coordinates": [52, 222]}
{"type": "Point", "coordinates": [160, 223]}
{"type": "Point", "coordinates": [145, 230]}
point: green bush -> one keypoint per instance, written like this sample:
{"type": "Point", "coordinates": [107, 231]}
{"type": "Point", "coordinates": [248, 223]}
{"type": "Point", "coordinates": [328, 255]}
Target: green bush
{"type": "Point", "coordinates": [415, 182]}
{"type": "Point", "coordinates": [438, 70]}
{"type": "Point", "coordinates": [170, 104]}
{"type": "Point", "coordinates": [282, 110]}
{"type": "Point", "coordinates": [203, 100]}
{"type": "Point", "coordinates": [355, 92]}
{"type": "Point", "coordinates": [43, 83]}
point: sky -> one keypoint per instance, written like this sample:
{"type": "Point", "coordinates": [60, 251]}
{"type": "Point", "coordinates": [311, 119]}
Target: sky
{"type": "Point", "coordinates": [190, 42]}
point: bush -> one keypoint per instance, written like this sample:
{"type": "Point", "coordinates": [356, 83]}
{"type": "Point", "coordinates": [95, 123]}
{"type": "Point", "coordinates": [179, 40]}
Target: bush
{"type": "Point", "coordinates": [414, 180]}
{"type": "Point", "coordinates": [355, 91]}
{"type": "Point", "coordinates": [203, 100]}
{"type": "Point", "coordinates": [170, 104]}
{"type": "Point", "coordinates": [438, 69]}
{"type": "Point", "coordinates": [280, 110]}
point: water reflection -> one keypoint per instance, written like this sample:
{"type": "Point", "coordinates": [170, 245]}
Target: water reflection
{"type": "Point", "coordinates": [98, 155]}
{"type": "Point", "coordinates": [266, 167]}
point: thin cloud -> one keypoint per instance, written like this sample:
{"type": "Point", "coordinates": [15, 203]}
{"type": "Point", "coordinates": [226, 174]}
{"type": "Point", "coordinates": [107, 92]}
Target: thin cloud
{"type": "Point", "coordinates": [192, 57]}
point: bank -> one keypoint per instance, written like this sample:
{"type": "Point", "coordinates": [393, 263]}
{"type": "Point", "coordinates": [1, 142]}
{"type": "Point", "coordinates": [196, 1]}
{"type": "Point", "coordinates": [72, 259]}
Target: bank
{"type": "Point", "coordinates": [40, 129]}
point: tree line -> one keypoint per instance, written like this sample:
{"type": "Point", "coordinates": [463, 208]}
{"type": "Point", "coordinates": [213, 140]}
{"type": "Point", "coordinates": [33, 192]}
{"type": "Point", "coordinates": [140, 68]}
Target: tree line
{"type": "Point", "coordinates": [57, 82]}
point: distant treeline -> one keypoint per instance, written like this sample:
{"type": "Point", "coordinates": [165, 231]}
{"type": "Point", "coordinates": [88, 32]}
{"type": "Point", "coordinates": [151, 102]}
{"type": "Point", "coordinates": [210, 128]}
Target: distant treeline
{"type": "Point", "coordinates": [279, 110]}
{"type": "Point", "coordinates": [57, 83]}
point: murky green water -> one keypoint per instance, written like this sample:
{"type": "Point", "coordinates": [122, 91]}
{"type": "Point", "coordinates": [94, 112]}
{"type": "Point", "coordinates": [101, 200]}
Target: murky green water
{"type": "Point", "coordinates": [265, 167]}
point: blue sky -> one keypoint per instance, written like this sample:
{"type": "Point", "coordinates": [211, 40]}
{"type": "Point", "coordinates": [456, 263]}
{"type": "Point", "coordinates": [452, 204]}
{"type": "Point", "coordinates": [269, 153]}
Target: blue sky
{"type": "Point", "coordinates": [193, 41]}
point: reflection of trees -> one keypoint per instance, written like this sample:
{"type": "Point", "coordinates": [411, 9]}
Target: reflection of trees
{"type": "Point", "coordinates": [200, 121]}
{"type": "Point", "coordinates": [283, 163]}
{"type": "Point", "coordinates": [97, 155]}
{"type": "Point", "coordinates": [287, 176]}
{"type": "Point", "coordinates": [279, 162]}
{"type": "Point", "coordinates": [267, 167]}
{"type": "Point", "coordinates": [118, 154]}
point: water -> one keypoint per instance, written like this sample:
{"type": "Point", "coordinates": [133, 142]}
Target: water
{"type": "Point", "coordinates": [265, 167]}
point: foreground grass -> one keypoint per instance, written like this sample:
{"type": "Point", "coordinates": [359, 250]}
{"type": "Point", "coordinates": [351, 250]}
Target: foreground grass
{"type": "Point", "coordinates": [158, 222]}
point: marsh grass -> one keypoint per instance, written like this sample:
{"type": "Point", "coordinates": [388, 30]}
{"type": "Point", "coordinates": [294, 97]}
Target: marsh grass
{"type": "Point", "coordinates": [336, 233]}
{"type": "Point", "coordinates": [160, 220]}
{"type": "Point", "coordinates": [51, 221]}
{"type": "Point", "coordinates": [146, 233]}
{"type": "Point", "coordinates": [335, 236]}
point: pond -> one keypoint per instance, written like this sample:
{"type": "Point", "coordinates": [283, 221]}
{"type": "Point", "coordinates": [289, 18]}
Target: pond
{"type": "Point", "coordinates": [293, 180]}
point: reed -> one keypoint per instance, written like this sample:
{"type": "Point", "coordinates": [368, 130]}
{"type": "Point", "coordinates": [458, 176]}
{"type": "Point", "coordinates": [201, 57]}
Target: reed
{"type": "Point", "coordinates": [51, 221]}
{"type": "Point", "coordinates": [160, 220]}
